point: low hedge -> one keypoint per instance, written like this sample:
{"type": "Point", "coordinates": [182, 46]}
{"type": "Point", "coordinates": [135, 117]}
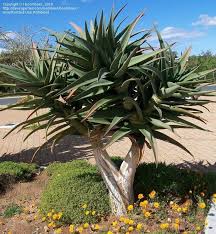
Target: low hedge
{"type": "Point", "coordinates": [171, 182]}
{"type": "Point", "coordinates": [76, 183]}
{"type": "Point", "coordinates": [72, 185]}
{"type": "Point", "coordinates": [11, 172]}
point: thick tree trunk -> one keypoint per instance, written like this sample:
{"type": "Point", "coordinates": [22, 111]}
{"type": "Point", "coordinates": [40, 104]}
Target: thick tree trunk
{"type": "Point", "coordinates": [119, 182]}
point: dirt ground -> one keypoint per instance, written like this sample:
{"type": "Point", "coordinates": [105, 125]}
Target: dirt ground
{"type": "Point", "coordinates": [26, 195]}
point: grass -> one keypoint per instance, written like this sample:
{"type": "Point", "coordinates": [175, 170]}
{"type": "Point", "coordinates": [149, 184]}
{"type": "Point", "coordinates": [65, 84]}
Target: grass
{"type": "Point", "coordinates": [12, 210]}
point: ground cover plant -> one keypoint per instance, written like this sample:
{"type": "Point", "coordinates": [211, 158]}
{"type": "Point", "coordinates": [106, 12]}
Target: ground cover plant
{"type": "Point", "coordinates": [20, 171]}
{"type": "Point", "coordinates": [164, 204]}
{"type": "Point", "coordinates": [110, 67]}
{"type": "Point", "coordinates": [71, 185]}
{"type": "Point", "coordinates": [11, 210]}
{"type": "Point", "coordinates": [11, 172]}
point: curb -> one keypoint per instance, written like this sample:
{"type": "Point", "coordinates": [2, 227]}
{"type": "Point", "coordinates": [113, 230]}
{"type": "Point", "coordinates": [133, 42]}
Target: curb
{"type": "Point", "coordinates": [211, 220]}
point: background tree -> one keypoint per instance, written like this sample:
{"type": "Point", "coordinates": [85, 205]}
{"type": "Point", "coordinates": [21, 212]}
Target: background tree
{"type": "Point", "coordinates": [204, 61]}
{"type": "Point", "coordinates": [106, 82]}
{"type": "Point", "coordinates": [16, 49]}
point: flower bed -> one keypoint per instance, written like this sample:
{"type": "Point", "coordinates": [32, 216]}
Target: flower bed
{"type": "Point", "coordinates": [172, 200]}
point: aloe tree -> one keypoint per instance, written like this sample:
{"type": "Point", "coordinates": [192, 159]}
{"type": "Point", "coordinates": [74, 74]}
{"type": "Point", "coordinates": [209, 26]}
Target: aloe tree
{"type": "Point", "coordinates": [106, 81]}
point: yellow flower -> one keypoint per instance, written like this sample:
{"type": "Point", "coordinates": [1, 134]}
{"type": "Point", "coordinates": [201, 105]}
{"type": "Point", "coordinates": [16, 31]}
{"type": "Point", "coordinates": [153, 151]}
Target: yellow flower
{"type": "Point", "coordinates": [115, 223]}
{"type": "Point", "coordinates": [127, 232]}
{"type": "Point", "coordinates": [147, 214]}
{"type": "Point", "coordinates": [9, 232]}
{"type": "Point", "coordinates": [179, 209]}
{"type": "Point", "coordinates": [93, 212]}
{"type": "Point", "coordinates": [96, 227]}
{"type": "Point", "coordinates": [143, 203]}
{"type": "Point", "coordinates": [126, 221]}
{"type": "Point", "coordinates": [51, 224]}
{"type": "Point", "coordinates": [109, 232]}
{"type": "Point", "coordinates": [59, 215]}
{"type": "Point", "coordinates": [58, 231]}
{"type": "Point", "coordinates": [139, 226]}
{"type": "Point", "coordinates": [214, 195]}
{"type": "Point", "coordinates": [156, 205]}
{"type": "Point", "coordinates": [35, 217]}
{"type": "Point", "coordinates": [130, 229]}
{"type": "Point", "coordinates": [49, 214]}
{"type": "Point", "coordinates": [202, 205]}
{"type": "Point", "coordinates": [55, 216]}
{"type": "Point", "coordinates": [174, 206]}
{"type": "Point", "coordinates": [206, 222]}
{"type": "Point", "coordinates": [185, 209]}
{"type": "Point", "coordinates": [53, 211]}
{"type": "Point", "coordinates": [121, 219]}
{"type": "Point", "coordinates": [176, 226]}
{"type": "Point", "coordinates": [71, 228]}
{"type": "Point", "coordinates": [131, 222]}
{"type": "Point", "coordinates": [84, 206]}
{"type": "Point", "coordinates": [85, 225]}
{"type": "Point", "coordinates": [80, 229]}
{"type": "Point", "coordinates": [140, 196]}
{"type": "Point", "coordinates": [177, 221]}
{"type": "Point", "coordinates": [214, 200]}
{"type": "Point", "coordinates": [87, 212]}
{"type": "Point", "coordinates": [130, 207]}
{"type": "Point", "coordinates": [44, 218]}
{"type": "Point", "coordinates": [152, 194]}
{"type": "Point", "coordinates": [164, 226]}
{"type": "Point", "coordinates": [184, 232]}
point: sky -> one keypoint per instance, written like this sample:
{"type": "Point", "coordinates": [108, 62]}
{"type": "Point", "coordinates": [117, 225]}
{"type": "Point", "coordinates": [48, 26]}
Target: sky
{"type": "Point", "coordinates": [187, 22]}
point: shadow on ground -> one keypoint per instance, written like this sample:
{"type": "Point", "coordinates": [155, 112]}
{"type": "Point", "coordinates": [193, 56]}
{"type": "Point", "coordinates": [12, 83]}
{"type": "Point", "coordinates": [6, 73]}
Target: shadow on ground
{"type": "Point", "coordinates": [202, 166]}
{"type": "Point", "coordinates": [77, 147]}
{"type": "Point", "coordinates": [66, 150]}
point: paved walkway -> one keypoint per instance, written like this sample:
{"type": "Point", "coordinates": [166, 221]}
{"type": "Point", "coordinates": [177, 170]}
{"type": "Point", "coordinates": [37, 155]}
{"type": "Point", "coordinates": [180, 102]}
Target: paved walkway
{"type": "Point", "coordinates": [201, 144]}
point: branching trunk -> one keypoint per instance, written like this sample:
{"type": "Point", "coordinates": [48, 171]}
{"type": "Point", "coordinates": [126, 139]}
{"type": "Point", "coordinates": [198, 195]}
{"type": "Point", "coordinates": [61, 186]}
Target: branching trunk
{"type": "Point", "coordinates": [128, 169]}
{"type": "Point", "coordinates": [119, 182]}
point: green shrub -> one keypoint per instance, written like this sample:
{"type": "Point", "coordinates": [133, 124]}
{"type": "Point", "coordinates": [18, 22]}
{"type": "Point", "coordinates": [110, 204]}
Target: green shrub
{"type": "Point", "coordinates": [71, 185]}
{"type": "Point", "coordinates": [20, 171]}
{"type": "Point", "coordinates": [11, 210]}
{"type": "Point", "coordinates": [170, 181]}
